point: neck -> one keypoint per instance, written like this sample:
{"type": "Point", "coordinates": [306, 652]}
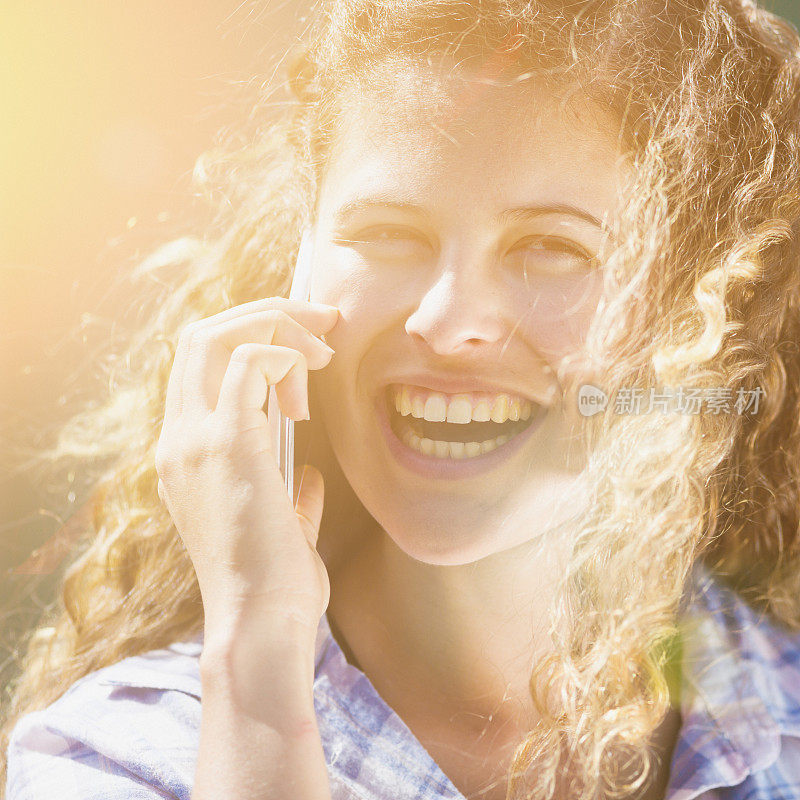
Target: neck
{"type": "Point", "coordinates": [451, 648]}
{"type": "Point", "coordinates": [466, 635]}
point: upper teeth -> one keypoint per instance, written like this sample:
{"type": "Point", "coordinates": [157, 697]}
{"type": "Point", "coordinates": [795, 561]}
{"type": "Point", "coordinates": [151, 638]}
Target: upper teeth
{"type": "Point", "coordinates": [459, 408]}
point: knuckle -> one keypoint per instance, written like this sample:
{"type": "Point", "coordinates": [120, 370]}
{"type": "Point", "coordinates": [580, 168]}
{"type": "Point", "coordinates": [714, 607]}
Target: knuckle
{"type": "Point", "coordinates": [275, 316]}
{"type": "Point", "coordinates": [164, 459]}
{"type": "Point", "coordinates": [201, 338]}
{"type": "Point", "coordinates": [301, 361]}
{"type": "Point", "coordinates": [187, 449]}
{"type": "Point", "coordinates": [188, 332]}
{"type": "Point", "coordinates": [194, 337]}
{"type": "Point", "coordinates": [246, 353]}
{"type": "Point", "coordinates": [215, 442]}
{"type": "Point", "coordinates": [196, 454]}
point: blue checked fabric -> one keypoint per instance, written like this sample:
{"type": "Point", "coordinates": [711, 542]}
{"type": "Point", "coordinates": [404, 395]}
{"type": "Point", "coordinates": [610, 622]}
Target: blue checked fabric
{"type": "Point", "coordinates": [131, 731]}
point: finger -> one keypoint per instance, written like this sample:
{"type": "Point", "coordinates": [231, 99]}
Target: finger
{"type": "Point", "coordinates": [174, 394]}
{"type": "Point", "coordinates": [318, 318]}
{"type": "Point", "coordinates": [252, 369]}
{"type": "Point", "coordinates": [213, 348]}
{"type": "Point", "coordinates": [309, 503]}
{"type": "Point", "coordinates": [274, 327]}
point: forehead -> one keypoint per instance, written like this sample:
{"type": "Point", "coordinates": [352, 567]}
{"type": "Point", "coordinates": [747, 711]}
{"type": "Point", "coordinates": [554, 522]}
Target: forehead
{"type": "Point", "coordinates": [423, 126]}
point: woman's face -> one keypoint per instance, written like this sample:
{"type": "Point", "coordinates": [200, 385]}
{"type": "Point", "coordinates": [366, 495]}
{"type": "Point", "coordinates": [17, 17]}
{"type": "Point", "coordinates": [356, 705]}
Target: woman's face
{"type": "Point", "coordinates": [456, 231]}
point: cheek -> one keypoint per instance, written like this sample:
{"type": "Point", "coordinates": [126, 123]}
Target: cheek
{"type": "Point", "coordinates": [367, 299]}
{"type": "Point", "coordinates": [558, 313]}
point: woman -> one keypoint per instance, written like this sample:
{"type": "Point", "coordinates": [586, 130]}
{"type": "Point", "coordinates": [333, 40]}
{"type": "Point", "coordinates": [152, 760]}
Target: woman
{"type": "Point", "coordinates": [522, 213]}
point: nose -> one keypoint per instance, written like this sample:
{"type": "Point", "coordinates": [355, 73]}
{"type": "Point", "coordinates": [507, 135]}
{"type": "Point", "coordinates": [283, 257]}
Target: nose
{"type": "Point", "coordinates": [459, 312]}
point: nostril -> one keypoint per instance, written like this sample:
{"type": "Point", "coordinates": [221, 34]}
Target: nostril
{"type": "Point", "coordinates": [451, 319]}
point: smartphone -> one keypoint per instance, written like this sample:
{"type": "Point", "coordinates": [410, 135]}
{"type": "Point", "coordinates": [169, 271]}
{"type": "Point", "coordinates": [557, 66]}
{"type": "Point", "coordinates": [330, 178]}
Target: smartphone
{"type": "Point", "coordinates": [281, 426]}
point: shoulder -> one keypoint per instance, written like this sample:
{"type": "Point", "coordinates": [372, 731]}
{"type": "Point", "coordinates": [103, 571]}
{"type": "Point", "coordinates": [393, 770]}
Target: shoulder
{"type": "Point", "coordinates": [130, 730]}
{"type": "Point", "coordinates": [725, 628]}
{"type": "Point", "coordinates": [740, 698]}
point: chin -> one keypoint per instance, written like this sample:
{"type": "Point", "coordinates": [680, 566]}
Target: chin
{"type": "Point", "coordinates": [432, 546]}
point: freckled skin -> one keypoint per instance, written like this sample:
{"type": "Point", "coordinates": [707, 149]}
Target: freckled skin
{"type": "Point", "coordinates": [455, 293]}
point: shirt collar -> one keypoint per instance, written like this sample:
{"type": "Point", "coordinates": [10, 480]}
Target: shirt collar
{"type": "Point", "coordinates": [740, 693]}
{"type": "Point", "coordinates": [367, 745]}
{"type": "Point", "coordinates": [738, 673]}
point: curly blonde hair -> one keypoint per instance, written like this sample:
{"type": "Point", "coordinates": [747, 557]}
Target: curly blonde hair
{"type": "Point", "coordinates": [701, 290]}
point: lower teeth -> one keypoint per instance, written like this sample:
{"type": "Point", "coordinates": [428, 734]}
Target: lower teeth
{"type": "Point", "coordinates": [457, 450]}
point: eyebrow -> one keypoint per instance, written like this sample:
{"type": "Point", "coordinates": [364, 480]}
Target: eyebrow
{"type": "Point", "coordinates": [518, 214]}
{"type": "Point", "coordinates": [522, 213]}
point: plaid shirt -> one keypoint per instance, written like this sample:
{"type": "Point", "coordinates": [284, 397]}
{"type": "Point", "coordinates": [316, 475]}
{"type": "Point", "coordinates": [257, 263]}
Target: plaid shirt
{"type": "Point", "coordinates": [131, 731]}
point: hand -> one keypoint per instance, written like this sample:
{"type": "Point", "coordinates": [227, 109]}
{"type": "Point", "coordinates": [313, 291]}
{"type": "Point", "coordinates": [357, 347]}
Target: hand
{"type": "Point", "coordinates": [250, 546]}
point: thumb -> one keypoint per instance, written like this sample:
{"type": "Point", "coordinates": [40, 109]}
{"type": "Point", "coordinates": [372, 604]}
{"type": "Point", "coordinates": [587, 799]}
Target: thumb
{"type": "Point", "coordinates": [309, 502]}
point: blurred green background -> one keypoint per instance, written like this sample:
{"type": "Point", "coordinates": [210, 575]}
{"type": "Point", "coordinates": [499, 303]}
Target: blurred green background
{"type": "Point", "coordinates": [787, 8]}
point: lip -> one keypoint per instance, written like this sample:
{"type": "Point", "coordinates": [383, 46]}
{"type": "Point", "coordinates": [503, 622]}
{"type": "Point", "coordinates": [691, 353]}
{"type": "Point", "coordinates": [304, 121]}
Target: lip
{"type": "Point", "coordinates": [464, 385]}
{"type": "Point", "coordinates": [448, 468]}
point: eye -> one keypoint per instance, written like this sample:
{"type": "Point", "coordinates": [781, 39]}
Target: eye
{"type": "Point", "coordinates": [391, 241]}
{"type": "Point", "coordinates": [552, 254]}
{"type": "Point", "coordinates": [385, 233]}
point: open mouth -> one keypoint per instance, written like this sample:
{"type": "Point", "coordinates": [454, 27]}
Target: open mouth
{"type": "Point", "coordinates": [462, 439]}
